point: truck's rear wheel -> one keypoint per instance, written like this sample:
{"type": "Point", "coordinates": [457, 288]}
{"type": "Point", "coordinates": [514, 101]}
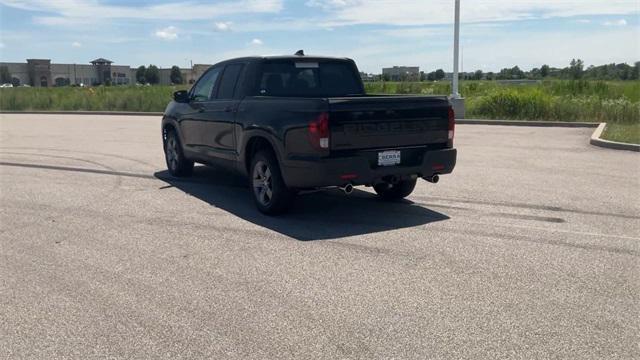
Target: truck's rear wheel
{"type": "Point", "coordinates": [177, 164]}
{"type": "Point", "coordinates": [270, 193]}
{"type": "Point", "coordinates": [396, 191]}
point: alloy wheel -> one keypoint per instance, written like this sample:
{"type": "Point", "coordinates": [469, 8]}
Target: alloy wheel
{"type": "Point", "coordinates": [262, 183]}
{"type": "Point", "coordinates": [172, 152]}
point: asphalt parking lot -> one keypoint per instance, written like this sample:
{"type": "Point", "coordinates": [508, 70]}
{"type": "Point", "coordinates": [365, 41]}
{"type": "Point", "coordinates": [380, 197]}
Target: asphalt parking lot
{"type": "Point", "coordinates": [530, 249]}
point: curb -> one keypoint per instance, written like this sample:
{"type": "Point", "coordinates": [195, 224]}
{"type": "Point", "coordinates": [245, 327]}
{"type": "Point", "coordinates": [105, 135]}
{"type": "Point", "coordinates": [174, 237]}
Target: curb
{"type": "Point", "coordinates": [526, 123]}
{"type": "Point", "coordinates": [127, 113]}
{"type": "Point", "coordinates": [597, 141]}
{"type": "Point", "coordinates": [458, 121]}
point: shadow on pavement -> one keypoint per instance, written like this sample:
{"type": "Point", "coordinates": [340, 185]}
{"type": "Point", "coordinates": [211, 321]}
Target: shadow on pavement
{"type": "Point", "coordinates": [316, 216]}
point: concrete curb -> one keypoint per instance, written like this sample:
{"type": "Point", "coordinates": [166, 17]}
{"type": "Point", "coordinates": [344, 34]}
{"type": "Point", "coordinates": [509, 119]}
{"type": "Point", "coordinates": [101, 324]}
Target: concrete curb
{"type": "Point", "coordinates": [526, 123]}
{"type": "Point", "coordinates": [127, 113]}
{"type": "Point", "coordinates": [458, 121]}
{"type": "Point", "coordinates": [597, 141]}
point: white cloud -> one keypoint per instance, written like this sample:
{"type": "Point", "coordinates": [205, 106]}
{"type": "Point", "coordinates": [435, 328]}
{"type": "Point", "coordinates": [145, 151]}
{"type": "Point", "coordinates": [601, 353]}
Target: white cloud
{"type": "Point", "coordinates": [58, 21]}
{"type": "Point", "coordinates": [1, 45]}
{"type": "Point", "coordinates": [77, 10]}
{"type": "Point", "coordinates": [168, 33]}
{"type": "Point", "coordinates": [596, 48]}
{"type": "Point", "coordinates": [287, 25]}
{"type": "Point", "coordinates": [420, 12]}
{"type": "Point", "coordinates": [621, 22]}
{"type": "Point", "coordinates": [583, 21]}
{"type": "Point", "coordinates": [76, 44]}
{"type": "Point", "coordinates": [489, 49]}
{"type": "Point", "coordinates": [223, 26]}
{"type": "Point", "coordinates": [416, 32]}
{"type": "Point", "coordinates": [328, 4]}
{"type": "Point", "coordinates": [256, 42]}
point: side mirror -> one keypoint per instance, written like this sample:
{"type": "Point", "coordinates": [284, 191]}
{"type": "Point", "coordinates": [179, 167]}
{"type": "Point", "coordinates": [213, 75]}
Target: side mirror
{"type": "Point", "coordinates": [181, 96]}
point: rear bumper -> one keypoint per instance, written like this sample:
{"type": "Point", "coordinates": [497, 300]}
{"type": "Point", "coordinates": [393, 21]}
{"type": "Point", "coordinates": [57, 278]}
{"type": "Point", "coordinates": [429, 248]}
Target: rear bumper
{"type": "Point", "coordinates": [358, 170]}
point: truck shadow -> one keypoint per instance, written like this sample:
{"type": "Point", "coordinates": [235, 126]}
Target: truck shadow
{"type": "Point", "coordinates": [316, 216]}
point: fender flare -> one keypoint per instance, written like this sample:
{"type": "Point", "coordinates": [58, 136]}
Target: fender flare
{"type": "Point", "coordinates": [263, 134]}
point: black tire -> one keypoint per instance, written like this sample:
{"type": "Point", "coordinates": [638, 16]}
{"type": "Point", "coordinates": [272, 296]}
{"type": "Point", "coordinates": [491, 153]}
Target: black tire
{"type": "Point", "coordinates": [397, 191]}
{"type": "Point", "coordinates": [268, 189]}
{"type": "Point", "coordinates": [177, 163]}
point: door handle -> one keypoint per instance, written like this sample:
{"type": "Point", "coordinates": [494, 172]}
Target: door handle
{"type": "Point", "coordinates": [200, 109]}
{"type": "Point", "coordinates": [228, 109]}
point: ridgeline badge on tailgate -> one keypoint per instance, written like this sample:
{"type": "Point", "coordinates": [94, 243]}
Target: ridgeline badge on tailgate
{"type": "Point", "coordinates": [387, 127]}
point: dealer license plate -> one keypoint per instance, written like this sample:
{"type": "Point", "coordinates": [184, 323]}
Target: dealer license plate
{"type": "Point", "coordinates": [389, 158]}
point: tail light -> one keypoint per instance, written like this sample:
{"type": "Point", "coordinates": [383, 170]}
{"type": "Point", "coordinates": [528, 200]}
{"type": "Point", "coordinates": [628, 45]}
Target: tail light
{"type": "Point", "coordinates": [452, 123]}
{"type": "Point", "coordinates": [319, 131]}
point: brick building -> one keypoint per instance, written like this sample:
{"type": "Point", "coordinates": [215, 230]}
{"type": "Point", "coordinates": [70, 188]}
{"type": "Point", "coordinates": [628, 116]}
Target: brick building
{"type": "Point", "coordinates": [401, 73]}
{"type": "Point", "coordinates": [42, 73]}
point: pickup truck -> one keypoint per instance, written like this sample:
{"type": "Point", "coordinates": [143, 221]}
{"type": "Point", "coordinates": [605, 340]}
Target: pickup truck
{"type": "Point", "coordinates": [297, 123]}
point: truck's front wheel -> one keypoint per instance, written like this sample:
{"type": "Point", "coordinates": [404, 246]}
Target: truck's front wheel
{"type": "Point", "coordinates": [396, 191]}
{"type": "Point", "coordinates": [177, 163]}
{"type": "Point", "coordinates": [270, 193]}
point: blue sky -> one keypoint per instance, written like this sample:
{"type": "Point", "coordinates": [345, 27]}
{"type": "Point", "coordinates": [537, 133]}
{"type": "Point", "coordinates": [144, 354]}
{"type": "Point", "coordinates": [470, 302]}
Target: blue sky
{"type": "Point", "coordinates": [375, 33]}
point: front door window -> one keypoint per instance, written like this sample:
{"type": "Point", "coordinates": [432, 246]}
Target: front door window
{"type": "Point", "coordinates": [204, 87]}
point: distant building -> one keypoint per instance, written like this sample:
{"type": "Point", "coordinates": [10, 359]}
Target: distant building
{"type": "Point", "coordinates": [368, 77]}
{"type": "Point", "coordinates": [461, 75]}
{"type": "Point", "coordinates": [42, 73]}
{"type": "Point", "coordinates": [401, 73]}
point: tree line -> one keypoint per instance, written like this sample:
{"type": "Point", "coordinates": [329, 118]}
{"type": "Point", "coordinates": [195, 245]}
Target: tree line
{"type": "Point", "coordinates": [575, 71]}
{"type": "Point", "coordinates": [151, 75]}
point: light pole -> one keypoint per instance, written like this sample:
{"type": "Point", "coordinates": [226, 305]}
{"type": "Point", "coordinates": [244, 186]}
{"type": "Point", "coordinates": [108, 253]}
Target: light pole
{"type": "Point", "coordinates": [456, 44]}
{"type": "Point", "coordinates": [456, 100]}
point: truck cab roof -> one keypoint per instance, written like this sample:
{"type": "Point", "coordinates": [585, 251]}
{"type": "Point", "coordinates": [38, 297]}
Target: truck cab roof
{"type": "Point", "coordinates": [284, 57]}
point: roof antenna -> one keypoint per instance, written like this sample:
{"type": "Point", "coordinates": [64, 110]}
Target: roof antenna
{"type": "Point", "coordinates": [299, 53]}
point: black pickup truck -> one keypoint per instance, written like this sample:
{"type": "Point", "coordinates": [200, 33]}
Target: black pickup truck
{"type": "Point", "coordinates": [295, 123]}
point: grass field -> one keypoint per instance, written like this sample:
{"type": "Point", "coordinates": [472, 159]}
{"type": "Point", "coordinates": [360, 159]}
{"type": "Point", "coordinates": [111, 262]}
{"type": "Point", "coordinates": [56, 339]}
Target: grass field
{"type": "Point", "coordinates": [614, 102]}
{"type": "Point", "coordinates": [105, 98]}
{"type": "Point", "coordinates": [628, 133]}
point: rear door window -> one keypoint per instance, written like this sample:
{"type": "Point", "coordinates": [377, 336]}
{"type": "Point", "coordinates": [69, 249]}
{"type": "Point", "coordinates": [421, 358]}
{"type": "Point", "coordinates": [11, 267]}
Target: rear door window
{"type": "Point", "coordinates": [229, 81]}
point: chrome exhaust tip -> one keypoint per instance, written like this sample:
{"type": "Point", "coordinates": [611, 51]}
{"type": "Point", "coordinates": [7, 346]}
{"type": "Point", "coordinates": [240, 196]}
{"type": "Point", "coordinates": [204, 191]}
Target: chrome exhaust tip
{"type": "Point", "coordinates": [433, 178]}
{"type": "Point", "coordinates": [347, 189]}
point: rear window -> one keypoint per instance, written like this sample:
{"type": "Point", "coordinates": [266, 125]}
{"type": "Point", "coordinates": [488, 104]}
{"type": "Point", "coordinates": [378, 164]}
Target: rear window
{"type": "Point", "coordinates": [309, 78]}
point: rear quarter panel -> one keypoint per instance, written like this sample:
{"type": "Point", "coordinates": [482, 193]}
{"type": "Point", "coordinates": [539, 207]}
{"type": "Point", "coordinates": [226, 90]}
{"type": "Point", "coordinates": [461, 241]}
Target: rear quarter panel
{"type": "Point", "coordinates": [282, 121]}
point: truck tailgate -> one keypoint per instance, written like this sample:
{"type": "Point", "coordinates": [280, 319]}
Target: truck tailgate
{"type": "Point", "coordinates": [387, 121]}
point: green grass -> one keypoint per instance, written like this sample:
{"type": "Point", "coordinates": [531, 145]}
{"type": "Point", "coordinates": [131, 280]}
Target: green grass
{"type": "Point", "coordinates": [114, 98]}
{"type": "Point", "coordinates": [614, 102]}
{"type": "Point", "coordinates": [627, 133]}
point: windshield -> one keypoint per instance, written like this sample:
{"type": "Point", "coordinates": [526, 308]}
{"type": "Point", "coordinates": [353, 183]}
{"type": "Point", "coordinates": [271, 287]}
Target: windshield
{"type": "Point", "coordinates": [308, 78]}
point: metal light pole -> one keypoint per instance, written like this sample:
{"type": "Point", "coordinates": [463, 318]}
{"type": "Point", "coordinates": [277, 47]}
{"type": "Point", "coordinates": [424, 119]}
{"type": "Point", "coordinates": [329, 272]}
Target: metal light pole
{"type": "Point", "coordinates": [456, 100]}
{"type": "Point", "coordinates": [456, 44]}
